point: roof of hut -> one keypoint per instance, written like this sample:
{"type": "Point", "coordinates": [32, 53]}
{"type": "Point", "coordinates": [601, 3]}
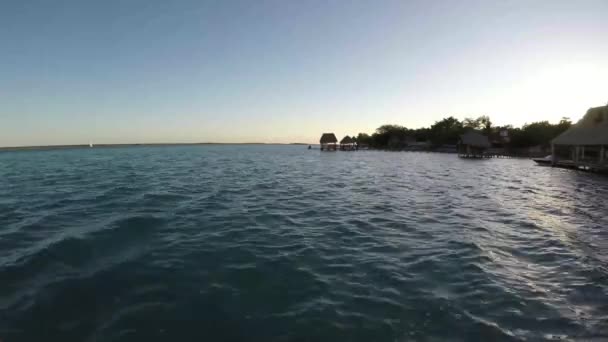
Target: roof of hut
{"type": "Point", "coordinates": [328, 138]}
{"type": "Point", "coordinates": [592, 129]}
{"type": "Point", "coordinates": [346, 140]}
{"type": "Point", "coordinates": [476, 139]}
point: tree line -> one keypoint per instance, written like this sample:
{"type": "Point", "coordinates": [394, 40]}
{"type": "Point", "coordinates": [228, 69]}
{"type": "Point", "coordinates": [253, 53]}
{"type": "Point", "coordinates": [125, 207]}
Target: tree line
{"type": "Point", "coordinates": [448, 131]}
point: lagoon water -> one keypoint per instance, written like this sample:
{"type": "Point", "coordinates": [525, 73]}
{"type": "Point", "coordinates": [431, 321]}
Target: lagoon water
{"type": "Point", "coordinates": [278, 243]}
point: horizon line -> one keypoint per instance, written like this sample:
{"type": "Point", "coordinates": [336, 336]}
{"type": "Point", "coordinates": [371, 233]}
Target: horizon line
{"type": "Point", "coordinates": [69, 146]}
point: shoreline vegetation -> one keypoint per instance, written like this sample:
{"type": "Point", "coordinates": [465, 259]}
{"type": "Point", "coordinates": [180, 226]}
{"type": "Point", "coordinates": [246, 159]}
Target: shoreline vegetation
{"type": "Point", "coordinates": [530, 140]}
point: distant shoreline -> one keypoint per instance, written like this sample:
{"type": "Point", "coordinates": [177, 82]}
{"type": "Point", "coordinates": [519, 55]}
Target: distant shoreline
{"type": "Point", "coordinates": [86, 146]}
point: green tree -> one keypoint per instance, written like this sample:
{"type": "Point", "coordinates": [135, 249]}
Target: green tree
{"type": "Point", "coordinates": [364, 138]}
{"type": "Point", "coordinates": [563, 125]}
{"type": "Point", "coordinates": [481, 123]}
{"type": "Point", "coordinates": [485, 123]}
{"type": "Point", "coordinates": [446, 131]}
{"type": "Point", "coordinates": [470, 123]}
{"type": "Point", "coordinates": [538, 133]}
{"type": "Point", "coordinates": [421, 134]}
{"type": "Point", "coordinates": [390, 136]}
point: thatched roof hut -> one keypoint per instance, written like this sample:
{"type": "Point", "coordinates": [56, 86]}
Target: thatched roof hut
{"type": "Point", "coordinates": [585, 143]}
{"type": "Point", "coordinates": [347, 144]}
{"type": "Point", "coordinates": [328, 141]}
{"type": "Point", "coordinates": [473, 144]}
{"type": "Point", "coordinates": [346, 140]}
{"type": "Point", "coordinates": [328, 138]}
{"type": "Point", "coordinates": [591, 130]}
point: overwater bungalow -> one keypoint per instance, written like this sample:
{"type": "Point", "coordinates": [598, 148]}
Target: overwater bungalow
{"type": "Point", "coordinates": [347, 144]}
{"type": "Point", "coordinates": [585, 144]}
{"type": "Point", "coordinates": [328, 142]}
{"type": "Point", "coordinates": [473, 144]}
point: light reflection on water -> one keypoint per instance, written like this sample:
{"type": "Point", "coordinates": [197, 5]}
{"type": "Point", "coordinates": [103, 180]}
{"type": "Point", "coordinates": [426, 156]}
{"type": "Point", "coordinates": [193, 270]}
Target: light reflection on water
{"type": "Point", "coordinates": [282, 243]}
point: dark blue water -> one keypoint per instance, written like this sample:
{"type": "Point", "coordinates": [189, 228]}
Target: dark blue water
{"type": "Point", "coordinates": [278, 243]}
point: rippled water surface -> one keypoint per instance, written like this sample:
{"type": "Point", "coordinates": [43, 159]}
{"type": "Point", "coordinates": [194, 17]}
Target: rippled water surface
{"type": "Point", "coordinates": [278, 243]}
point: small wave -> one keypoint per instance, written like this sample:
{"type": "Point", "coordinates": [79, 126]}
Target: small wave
{"type": "Point", "coordinates": [274, 243]}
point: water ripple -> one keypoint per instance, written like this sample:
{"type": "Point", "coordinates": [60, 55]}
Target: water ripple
{"type": "Point", "coordinates": [280, 243]}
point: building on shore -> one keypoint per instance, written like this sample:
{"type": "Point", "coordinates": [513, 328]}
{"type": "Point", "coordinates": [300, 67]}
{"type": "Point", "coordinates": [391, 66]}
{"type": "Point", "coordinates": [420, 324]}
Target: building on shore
{"type": "Point", "coordinates": [473, 144]}
{"type": "Point", "coordinates": [328, 142]}
{"type": "Point", "coordinates": [499, 141]}
{"type": "Point", "coordinates": [585, 144]}
{"type": "Point", "coordinates": [347, 144]}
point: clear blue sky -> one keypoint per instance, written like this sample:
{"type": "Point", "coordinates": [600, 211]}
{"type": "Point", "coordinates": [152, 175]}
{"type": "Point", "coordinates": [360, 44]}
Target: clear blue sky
{"type": "Point", "coordinates": [284, 71]}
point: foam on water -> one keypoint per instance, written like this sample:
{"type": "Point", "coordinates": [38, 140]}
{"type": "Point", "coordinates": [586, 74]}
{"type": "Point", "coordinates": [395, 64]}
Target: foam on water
{"type": "Point", "coordinates": [281, 243]}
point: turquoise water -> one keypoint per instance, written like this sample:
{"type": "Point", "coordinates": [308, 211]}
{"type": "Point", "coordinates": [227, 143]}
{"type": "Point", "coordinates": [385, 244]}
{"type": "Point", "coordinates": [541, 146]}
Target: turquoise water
{"type": "Point", "coordinates": [278, 243]}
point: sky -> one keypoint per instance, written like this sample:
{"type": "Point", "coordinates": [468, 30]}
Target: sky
{"type": "Point", "coordinates": [137, 71]}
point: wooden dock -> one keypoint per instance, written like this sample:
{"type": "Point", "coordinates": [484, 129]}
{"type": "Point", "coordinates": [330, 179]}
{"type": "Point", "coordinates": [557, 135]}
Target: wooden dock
{"type": "Point", "coordinates": [485, 156]}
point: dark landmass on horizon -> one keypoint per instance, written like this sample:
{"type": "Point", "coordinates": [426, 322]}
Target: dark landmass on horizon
{"type": "Point", "coordinates": [67, 147]}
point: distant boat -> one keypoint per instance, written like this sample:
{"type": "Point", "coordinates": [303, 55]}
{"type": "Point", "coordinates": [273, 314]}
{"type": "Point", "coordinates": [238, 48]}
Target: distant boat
{"type": "Point", "coordinates": [544, 161]}
{"type": "Point", "coordinates": [90, 144]}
